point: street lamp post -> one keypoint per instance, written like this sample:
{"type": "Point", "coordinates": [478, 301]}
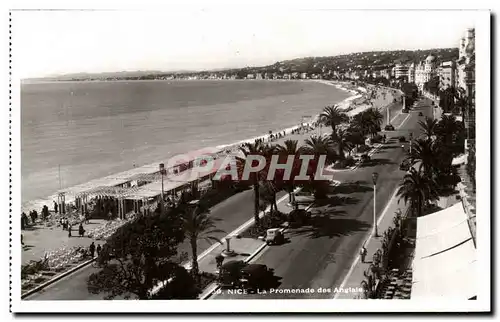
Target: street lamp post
{"type": "Point", "coordinates": [411, 140]}
{"type": "Point", "coordinates": [162, 172]}
{"type": "Point", "coordinates": [375, 229]}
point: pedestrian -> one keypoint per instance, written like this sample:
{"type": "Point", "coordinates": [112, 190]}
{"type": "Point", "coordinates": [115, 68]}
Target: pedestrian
{"type": "Point", "coordinates": [55, 207]}
{"type": "Point", "coordinates": [92, 249]}
{"type": "Point", "coordinates": [219, 259]}
{"type": "Point", "coordinates": [81, 231]}
{"type": "Point", "coordinates": [362, 253]}
{"type": "Point", "coordinates": [69, 230]}
{"type": "Point", "coordinates": [45, 212]}
{"type": "Point", "coordinates": [87, 217]}
{"type": "Point", "coordinates": [98, 249]}
{"type": "Point", "coordinates": [22, 240]}
{"type": "Point", "coordinates": [24, 221]}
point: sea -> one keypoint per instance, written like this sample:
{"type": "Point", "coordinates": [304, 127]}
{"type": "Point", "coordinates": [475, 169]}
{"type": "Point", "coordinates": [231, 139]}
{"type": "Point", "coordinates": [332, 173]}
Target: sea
{"type": "Point", "coordinates": [73, 132]}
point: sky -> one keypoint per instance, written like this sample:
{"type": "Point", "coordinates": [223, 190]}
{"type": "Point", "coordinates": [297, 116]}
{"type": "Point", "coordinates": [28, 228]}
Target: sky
{"type": "Point", "coordinates": [47, 43]}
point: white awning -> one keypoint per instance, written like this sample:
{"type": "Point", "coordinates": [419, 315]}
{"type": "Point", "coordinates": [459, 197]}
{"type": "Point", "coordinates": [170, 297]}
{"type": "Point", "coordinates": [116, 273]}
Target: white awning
{"type": "Point", "coordinates": [457, 284]}
{"type": "Point", "coordinates": [443, 240]}
{"type": "Point", "coordinates": [445, 256]}
{"type": "Point", "coordinates": [439, 221]}
{"type": "Point", "coordinates": [461, 159]}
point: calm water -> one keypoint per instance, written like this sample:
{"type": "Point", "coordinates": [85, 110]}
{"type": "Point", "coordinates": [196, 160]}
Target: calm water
{"type": "Point", "coordinates": [93, 129]}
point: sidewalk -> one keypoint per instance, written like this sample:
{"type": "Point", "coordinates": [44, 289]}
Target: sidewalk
{"type": "Point", "coordinates": [40, 239]}
{"type": "Point", "coordinates": [355, 274]}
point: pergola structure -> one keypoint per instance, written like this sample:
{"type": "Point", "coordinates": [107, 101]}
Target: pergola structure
{"type": "Point", "coordinates": [142, 187]}
{"type": "Point", "coordinates": [117, 193]}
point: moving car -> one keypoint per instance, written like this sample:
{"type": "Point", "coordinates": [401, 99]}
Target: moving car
{"type": "Point", "coordinates": [405, 165]}
{"type": "Point", "coordinates": [255, 276]}
{"type": "Point", "coordinates": [389, 127]}
{"type": "Point", "coordinates": [274, 236]}
{"type": "Point", "coordinates": [238, 274]}
{"type": "Point", "coordinates": [230, 273]}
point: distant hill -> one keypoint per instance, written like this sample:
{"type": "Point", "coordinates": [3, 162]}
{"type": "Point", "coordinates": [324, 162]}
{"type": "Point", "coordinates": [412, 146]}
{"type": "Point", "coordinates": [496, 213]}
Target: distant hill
{"type": "Point", "coordinates": [105, 75]}
{"type": "Point", "coordinates": [373, 60]}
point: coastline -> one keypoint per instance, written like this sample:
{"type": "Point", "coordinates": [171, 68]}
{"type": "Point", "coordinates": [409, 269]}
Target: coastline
{"type": "Point", "coordinates": [229, 148]}
{"type": "Point", "coordinates": [37, 203]}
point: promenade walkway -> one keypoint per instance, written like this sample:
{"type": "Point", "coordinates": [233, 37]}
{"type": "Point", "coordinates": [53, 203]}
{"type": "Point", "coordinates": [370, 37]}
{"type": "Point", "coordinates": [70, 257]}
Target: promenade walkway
{"type": "Point", "coordinates": [355, 274]}
{"type": "Point", "coordinates": [39, 239]}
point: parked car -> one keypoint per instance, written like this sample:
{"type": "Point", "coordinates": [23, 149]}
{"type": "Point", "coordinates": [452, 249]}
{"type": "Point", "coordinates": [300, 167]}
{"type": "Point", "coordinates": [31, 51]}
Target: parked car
{"type": "Point", "coordinates": [389, 127]}
{"type": "Point", "coordinates": [406, 110]}
{"type": "Point", "coordinates": [402, 139]}
{"type": "Point", "coordinates": [365, 157]}
{"type": "Point", "coordinates": [420, 114]}
{"type": "Point", "coordinates": [274, 236]}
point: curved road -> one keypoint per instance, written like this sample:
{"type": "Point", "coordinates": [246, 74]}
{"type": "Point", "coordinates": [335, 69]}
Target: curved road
{"type": "Point", "coordinates": [319, 255]}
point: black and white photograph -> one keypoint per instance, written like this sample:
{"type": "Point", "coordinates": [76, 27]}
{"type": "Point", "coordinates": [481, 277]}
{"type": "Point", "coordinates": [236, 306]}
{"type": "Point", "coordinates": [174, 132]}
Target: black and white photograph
{"type": "Point", "coordinates": [199, 159]}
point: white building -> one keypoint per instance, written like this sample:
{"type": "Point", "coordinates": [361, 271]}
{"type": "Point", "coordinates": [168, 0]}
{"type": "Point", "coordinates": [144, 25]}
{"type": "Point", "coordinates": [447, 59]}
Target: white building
{"type": "Point", "coordinates": [411, 73]}
{"type": "Point", "coordinates": [425, 71]}
{"type": "Point", "coordinates": [447, 75]}
{"type": "Point", "coordinates": [401, 70]}
{"type": "Point", "coordinates": [385, 73]}
{"type": "Point", "coordinates": [465, 52]}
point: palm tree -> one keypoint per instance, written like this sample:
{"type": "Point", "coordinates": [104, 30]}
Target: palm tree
{"type": "Point", "coordinates": [333, 116]}
{"type": "Point", "coordinates": [289, 147]}
{"type": "Point", "coordinates": [376, 118]}
{"type": "Point", "coordinates": [256, 148]}
{"type": "Point", "coordinates": [418, 189]}
{"type": "Point", "coordinates": [368, 121]}
{"type": "Point", "coordinates": [361, 123]}
{"type": "Point", "coordinates": [354, 137]}
{"type": "Point", "coordinates": [319, 146]}
{"type": "Point", "coordinates": [268, 192]}
{"type": "Point", "coordinates": [428, 127]}
{"type": "Point", "coordinates": [341, 140]}
{"type": "Point", "coordinates": [425, 152]}
{"type": "Point", "coordinates": [198, 225]}
{"type": "Point", "coordinates": [447, 128]}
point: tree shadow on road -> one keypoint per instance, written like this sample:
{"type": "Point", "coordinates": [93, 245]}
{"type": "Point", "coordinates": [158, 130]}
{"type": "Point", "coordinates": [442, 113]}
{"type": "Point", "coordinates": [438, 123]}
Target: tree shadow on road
{"type": "Point", "coordinates": [32, 228]}
{"type": "Point", "coordinates": [327, 226]}
{"type": "Point", "coordinates": [375, 162]}
{"type": "Point", "coordinates": [334, 201]}
{"type": "Point", "coordinates": [351, 187]}
{"type": "Point", "coordinates": [387, 147]}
